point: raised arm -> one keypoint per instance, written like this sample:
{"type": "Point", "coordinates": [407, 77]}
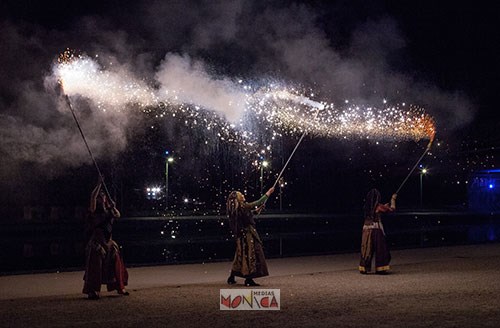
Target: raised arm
{"type": "Point", "coordinates": [393, 201]}
{"type": "Point", "coordinates": [261, 200]}
{"type": "Point", "coordinates": [93, 196]}
{"type": "Point", "coordinates": [112, 208]}
{"type": "Point", "coordinates": [383, 208]}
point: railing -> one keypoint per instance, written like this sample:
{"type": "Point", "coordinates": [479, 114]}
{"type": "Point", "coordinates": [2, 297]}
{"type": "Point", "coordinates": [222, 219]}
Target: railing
{"type": "Point", "coordinates": [60, 245]}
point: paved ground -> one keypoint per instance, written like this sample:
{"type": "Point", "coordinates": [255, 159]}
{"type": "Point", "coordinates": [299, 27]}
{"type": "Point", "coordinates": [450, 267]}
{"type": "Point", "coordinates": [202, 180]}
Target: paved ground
{"type": "Point", "coordinates": [441, 287]}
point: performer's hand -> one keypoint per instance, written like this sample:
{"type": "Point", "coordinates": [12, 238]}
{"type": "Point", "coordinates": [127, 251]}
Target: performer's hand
{"type": "Point", "coordinates": [393, 201]}
{"type": "Point", "coordinates": [270, 191]}
{"type": "Point", "coordinates": [111, 203]}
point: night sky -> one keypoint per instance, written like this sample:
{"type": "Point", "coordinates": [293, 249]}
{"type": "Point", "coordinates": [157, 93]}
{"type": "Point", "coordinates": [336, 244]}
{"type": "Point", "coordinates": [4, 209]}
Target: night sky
{"type": "Point", "coordinates": [441, 55]}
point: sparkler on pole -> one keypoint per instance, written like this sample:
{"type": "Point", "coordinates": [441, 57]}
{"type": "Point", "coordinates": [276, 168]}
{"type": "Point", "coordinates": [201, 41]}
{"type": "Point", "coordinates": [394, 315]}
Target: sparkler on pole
{"type": "Point", "coordinates": [65, 58]}
{"type": "Point", "coordinates": [87, 145]}
{"type": "Point", "coordinates": [278, 104]}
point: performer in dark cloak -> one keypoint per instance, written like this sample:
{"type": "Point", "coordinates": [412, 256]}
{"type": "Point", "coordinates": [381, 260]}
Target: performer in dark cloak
{"type": "Point", "coordinates": [104, 264]}
{"type": "Point", "coordinates": [249, 261]}
{"type": "Point", "coordinates": [373, 236]}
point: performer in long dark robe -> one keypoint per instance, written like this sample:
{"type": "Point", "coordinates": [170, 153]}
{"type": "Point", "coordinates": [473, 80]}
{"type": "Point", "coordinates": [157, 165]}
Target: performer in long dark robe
{"type": "Point", "coordinates": [373, 236]}
{"type": "Point", "coordinates": [104, 264]}
{"type": "Point", "coordinates": [249, 261]}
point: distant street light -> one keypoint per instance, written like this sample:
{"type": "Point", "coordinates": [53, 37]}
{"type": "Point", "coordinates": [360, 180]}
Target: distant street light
{"type": "Point", "coordinates": [153, 192]}
{"type": "Point", "coordinates": [262, 166]}
{"type": "Point", "coordinates": [169, 159]}
{"type": "Point", "coordinates": [423, 172]}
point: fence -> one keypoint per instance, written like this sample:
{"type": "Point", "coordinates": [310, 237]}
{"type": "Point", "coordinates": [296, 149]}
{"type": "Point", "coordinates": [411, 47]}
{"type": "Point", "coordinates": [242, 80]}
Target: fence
{"type": "Point", "coordinates": [60, 245]}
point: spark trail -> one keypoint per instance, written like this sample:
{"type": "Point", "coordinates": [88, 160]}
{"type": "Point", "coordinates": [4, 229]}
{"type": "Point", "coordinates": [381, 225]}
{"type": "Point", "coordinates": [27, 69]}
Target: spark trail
{"type": "Point", "coordinates": [284, 109]}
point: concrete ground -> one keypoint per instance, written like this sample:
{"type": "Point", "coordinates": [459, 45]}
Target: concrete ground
{"type": "Point", "coordinates": [441, 287]}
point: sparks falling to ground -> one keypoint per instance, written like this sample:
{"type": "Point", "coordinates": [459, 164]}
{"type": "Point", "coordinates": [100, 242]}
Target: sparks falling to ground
{"type": "Point", "coordinates": [237, 106]}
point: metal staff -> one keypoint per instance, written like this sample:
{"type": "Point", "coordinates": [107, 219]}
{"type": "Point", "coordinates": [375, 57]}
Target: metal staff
{"type": "Point", "coordinates": [289, 158]}
{"type": "Point", "coordinates": [87, 145]}
{"type": "Point", "coordinates": [261, 207]}
{"type": "Point", "coordinates": [415, 166]}
{"type": "Point", "coordinates": [293, 152]}
{"type": "Point", "coordinates": [288, 161]}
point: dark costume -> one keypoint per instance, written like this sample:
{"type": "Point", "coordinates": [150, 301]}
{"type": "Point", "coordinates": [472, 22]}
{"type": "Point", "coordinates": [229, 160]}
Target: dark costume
{"type": "Point", "coordinates": [104, 264]}
{"type": "Point", "coordinates": [249, 261]}
{"type": "Point", "coordinates": [373, 236]}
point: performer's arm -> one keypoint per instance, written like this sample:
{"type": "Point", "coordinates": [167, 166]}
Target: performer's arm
{"type": "Point", "coordinates": [261, 200]}
{"type": "Point", "coordinates": [259, 209]}
{"type": "Point", "coordinates": [115, 212]}
{"type": "Point", "coordinates": [112, 208]}
{"type": "Point", "coordinates": [258, 202]}
{"type": "Point", "coordinates": [93, 196]}
{"type": "Point", "coordinates": [393, 201]}
{"type": "Point", "coordinates": [383, 208]}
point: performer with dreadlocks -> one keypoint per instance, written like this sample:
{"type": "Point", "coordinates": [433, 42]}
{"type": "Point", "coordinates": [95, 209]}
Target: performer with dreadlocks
{"type": "Point", "coordinates": [104, 264]}
{"type": "Point", "coordinates": [249, 261]}
{"type": "Point", "coordinates": [373, 236]}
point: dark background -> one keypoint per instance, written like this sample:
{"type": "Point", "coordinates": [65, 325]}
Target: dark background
{"type": "Point", "coordinates": [448, 46]}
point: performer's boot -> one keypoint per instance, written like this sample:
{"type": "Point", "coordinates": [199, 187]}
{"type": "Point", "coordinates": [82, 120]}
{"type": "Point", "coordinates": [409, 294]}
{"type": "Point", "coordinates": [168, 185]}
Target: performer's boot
{"type": "Point", "coordinates": [231, 280]}
{"type": "Point", "coordinates": [93, 295]}
{"type": "Point", "coordinates": [250, 282]}
{"type": "Point", "coordinates": [123, 292]}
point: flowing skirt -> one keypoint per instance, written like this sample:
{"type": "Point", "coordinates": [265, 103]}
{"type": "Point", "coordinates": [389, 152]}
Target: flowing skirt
{"type": "Point", "coordinates": [249, 260]}
{"type": "Point", "coordinates": [104, 265]}
{"type": "Point", "coordinates": [373, 243]}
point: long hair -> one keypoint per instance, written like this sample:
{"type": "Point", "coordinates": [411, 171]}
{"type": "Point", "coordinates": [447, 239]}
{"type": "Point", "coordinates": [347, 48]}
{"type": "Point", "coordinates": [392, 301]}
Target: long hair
{"type": "Point", "coordinates": [233, 209]}
{"type": "Point", "coordinates": [371, 202]}
{"type": "Point", "coordinates": [232, 204]}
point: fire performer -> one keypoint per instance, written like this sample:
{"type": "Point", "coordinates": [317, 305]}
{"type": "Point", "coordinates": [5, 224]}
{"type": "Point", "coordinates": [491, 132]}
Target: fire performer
{"type": "Point", "coordinates": [249, 261]}
{"type": "Point", "coordinates": [373, 236]}
{"type": "Point", "coordinates": [104, 264]}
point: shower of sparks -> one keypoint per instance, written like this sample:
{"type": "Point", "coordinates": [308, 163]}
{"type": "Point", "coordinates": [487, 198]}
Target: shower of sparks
{"type": "Point", "coordinates": [274, 107]}
{"type": "Point", "coordinates": [108, 89]}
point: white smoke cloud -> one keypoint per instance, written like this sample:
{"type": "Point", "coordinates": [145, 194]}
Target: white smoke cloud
{"type": "Point", "coordinates": [183, 80]}
{"type": "Point", "coordinates": [260, 40]}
